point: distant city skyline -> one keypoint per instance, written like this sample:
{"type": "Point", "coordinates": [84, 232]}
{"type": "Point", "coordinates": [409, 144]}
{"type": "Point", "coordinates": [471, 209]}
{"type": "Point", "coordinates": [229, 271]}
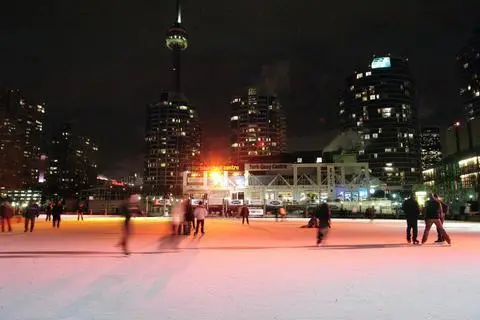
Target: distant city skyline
{"type": "Point", "coordinates": [88, 65]}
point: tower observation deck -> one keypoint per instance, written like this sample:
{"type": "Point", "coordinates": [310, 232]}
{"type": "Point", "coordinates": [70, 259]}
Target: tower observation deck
{"type": "Point", "coordinates": [177, 41]}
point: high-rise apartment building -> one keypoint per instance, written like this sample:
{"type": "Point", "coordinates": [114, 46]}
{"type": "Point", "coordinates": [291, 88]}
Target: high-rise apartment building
{"type": "Point", "coordinates": [21, 134]}
{"type": "Point", "coordinates": [379, 104]}
{"type": "Point", "coordinates": [431, 147]}
{"type": "Point", "coordinates": [72, 163]}
{"type": "Point", "coordinates": [468, 60]}
{"type": "Point", "coordinates": [258, 127]}
{"type": "Point", "coordinates": [172, 134]}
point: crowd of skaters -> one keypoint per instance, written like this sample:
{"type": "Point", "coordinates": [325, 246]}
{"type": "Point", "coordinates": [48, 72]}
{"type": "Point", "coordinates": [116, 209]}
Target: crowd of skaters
{"type": "Point", "coordinates": [53, 212]}
{"type": "Point", "coordinates": [187, 218]}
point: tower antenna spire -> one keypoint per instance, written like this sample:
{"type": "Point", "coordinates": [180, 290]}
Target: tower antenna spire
{"type": "Point", "coordinates": [179, 12]}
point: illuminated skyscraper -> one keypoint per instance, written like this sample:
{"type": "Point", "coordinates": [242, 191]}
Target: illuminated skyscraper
{"type": "Point", "coordinates": [379, 104]}
{"type": "Point", "coordinates": [172, 128]}
{"type": "Point", "coordinates": [431, 147]}
{"type": "Point", "coordinates": [258, 127]}
{"type": "Point", "coordinates": [21, 133]}
{"type": "Point", "coordinates": [468, 60]}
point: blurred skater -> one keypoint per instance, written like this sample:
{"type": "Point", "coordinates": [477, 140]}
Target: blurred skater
{"type": "Point", "coordinates": [80, 211]}
{"type": "Point", "coordinates": [6, 214]}
{"type": "Point", "coordinates": [433, 210]}
{"type": "Point", "coordinates": [443, 213]}
{"type": "Point", "coordinates": [128, 208]}
{"type": "Point", "coordinates": [244, 212]}
{"type": "Point", "coordinates": [323, 216]}
{"type": "Point", "coordinates": [189, 224]}
{"type": "Point", "coordinates": [178, 215]}
{"type": "Point", "coordinates": [57, 212]}
{"type": "Point", "coordinates": [48, 212]}
{"type": "Point", "coordinates": [31, 213]}
{"type": "Point", "coordinates": [412, 212]}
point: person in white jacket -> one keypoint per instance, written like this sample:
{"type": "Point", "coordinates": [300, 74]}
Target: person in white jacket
{"type": "Point", "coordinates": [200, 213]}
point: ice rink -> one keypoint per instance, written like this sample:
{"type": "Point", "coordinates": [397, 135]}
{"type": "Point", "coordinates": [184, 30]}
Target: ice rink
{"type": "Point", "coordinates": [267, 270]}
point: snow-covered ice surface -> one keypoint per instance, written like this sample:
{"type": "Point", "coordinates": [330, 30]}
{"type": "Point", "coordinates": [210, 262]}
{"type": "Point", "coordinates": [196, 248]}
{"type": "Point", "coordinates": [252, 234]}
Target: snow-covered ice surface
{"type": "Point", "coordinates": [267, 270]}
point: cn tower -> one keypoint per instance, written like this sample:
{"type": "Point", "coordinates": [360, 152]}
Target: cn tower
{"type": "Point", "coordinates": [177, 41]}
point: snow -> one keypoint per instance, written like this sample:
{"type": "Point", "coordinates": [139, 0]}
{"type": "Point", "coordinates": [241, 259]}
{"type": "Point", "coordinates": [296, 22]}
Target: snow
{"type": "Point", "coordinates": [267, 270]}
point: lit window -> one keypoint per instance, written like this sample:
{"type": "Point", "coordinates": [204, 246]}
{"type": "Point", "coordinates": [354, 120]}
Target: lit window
{"type": "Point", "coordinates": [412, 169]}
{"type": "Point", "coordinates": [319, 160]}
{"type": "Point", "coordinates": [388, 149]}
{"type": "Point", "coordinates": [359, 75]}
{"type": "Point", "coordinates": [234, 118]}
{"type": "Point", "coordinates": [299, 160]}
{"type": "Point", "coordinates": [375, 135]}
{"type": "Point", "coordinates": [389, 164]}
{"type": "Point", "coordinates": [368, 73]}
{"type": "Point", "coordinates": [367, 137]}
{"type": "Point", "coordinates": [386, 112]}
{"type": "Point", "coordinates": [372, 97]}
{"type": "Point", "coordinates": [375, 155]}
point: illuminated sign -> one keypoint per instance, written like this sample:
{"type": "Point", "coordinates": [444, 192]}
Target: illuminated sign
{"type": "Point", "coordinates": [268, 166]}
{"type": "Point", "coordinates": [216, 168]}
{"type": "Point", "coordinates": [382, 62]}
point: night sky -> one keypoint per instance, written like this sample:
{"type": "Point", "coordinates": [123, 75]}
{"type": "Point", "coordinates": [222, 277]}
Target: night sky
{"type": "Point", "coordinates": [99, 63]}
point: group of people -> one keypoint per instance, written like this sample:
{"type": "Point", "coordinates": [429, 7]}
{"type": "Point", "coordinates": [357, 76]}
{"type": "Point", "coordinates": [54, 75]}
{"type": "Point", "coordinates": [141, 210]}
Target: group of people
{"type": "Point", "coordinates": [434, 211]}
{"type": "Point", "coordinates": [30, 214]}
{"type": "Point", "coordinates": [186, 218]}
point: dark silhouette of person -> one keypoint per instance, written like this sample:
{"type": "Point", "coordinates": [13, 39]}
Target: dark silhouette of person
{"type": "Point", "coordinates": [6, 214]}
{"type": "Point", "coordinates": [245, 213]}
{"type": "Point", "coordinates": [57, 212]}
{"type": "Point", "coordinates": [412, 212]}
{"type": "Point", "coordinates": [31, 213]}
{"type": "Point", "coordinates": [323, 216]}
{"type": "Point", "coordinates": [433, 210]}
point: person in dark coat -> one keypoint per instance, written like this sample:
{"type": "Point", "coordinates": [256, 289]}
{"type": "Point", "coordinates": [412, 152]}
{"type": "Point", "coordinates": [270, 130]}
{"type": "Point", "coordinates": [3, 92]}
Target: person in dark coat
{"type": "Point", "coordinates": [31, 213]}
{"type": "Point", "coordinates": [6, 214]}
{"type": "Point", "coordinates": [412, 212]}
{"type": "Point", "coordinates": [129, 208]}
{"type": "Point", "coordinates": [323, 216]}
{"type": "Point", "coordinates": [245, 213]}
{"type": "Point", "coordinates": [57, 212]}
{"type": "Point", "coordinates": [433, 211]}
{"type": "Point", "coordinates": [189, 218]}
{"type": "Point", "coordinates": [48, 212]}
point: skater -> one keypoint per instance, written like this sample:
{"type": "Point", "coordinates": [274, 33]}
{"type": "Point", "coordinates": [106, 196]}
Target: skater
{"type": "Point", "coordinates": [189, 218]}
{"type": "Point", "coordinates": [128, 208]}
{"type": "Point", "coordinates": [283, 213]}
{"type": "Point", "coordinates": [244, 212]}
{"type": "Point", "coordinates": [31, 213]}
{"type": "Point", "coordinates": [178, 214]}
{"type": "Point", "coordinates": [200, 213]}
{"type": "Point", "coordinates": [57, 212]}
{"type": "Point", "coordinates": [48, 212]}
{"type": "Point", "coordinates": [412, 211]}
{"type": "Point", "coordinates": [443, 213]}
{"type": "Point", "coordinates": [432, 216]}
{"type": "Point", "coordinates": [80, 211]}
{"type": "Point", "coordinates": [6, 214]}
{"type": "Point", "coordinates": [323, 216]}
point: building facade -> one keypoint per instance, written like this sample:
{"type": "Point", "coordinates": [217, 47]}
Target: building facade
{"type": "Point", "coordinates": [258, 127]}
{"type": "Point", "coordinates": [172, 134]}
{"type": "Point", "coordinates": [457, 178]}
{"type": "Point", "coordinates": [431, 147]}
{"type": "Point", "coordinates": [379, 105]}
{"type": "Point", "coordinates": [21, 139]}
{"type": "Point", "coordinates": [468, 60]}
{"type": "Point", "coordinates": [72, 163]}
